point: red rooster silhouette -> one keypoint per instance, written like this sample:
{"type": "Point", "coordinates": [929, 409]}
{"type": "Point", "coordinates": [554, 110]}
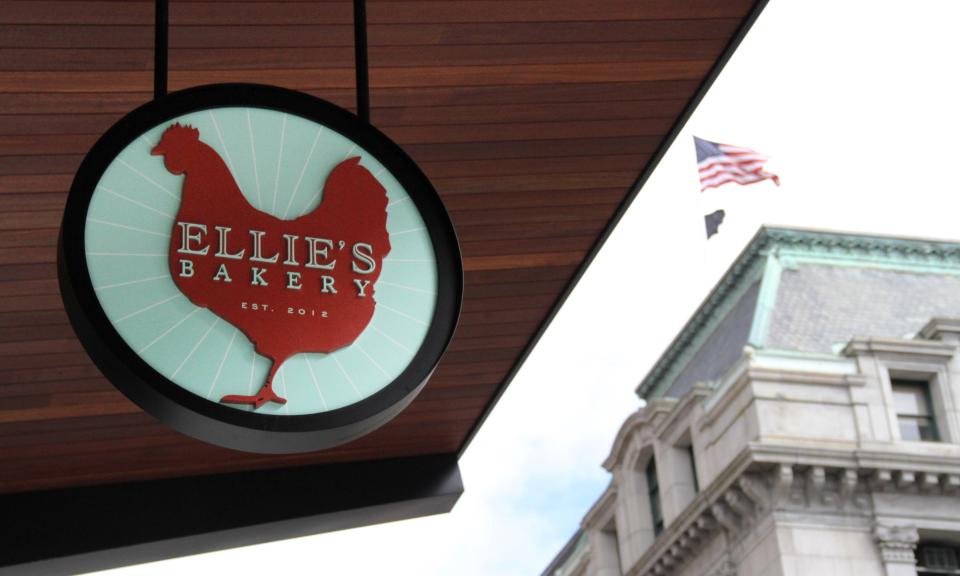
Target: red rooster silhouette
{"type": "Point", "coordinates": [291, 286]}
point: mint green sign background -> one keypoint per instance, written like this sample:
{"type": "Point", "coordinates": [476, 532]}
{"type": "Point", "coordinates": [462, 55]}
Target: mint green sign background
{"type": "Point", "coordinates": [280, 162]}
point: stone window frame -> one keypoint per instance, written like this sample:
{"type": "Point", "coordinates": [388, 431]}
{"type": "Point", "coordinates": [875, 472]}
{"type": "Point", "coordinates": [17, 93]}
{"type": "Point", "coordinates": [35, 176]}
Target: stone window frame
{"type": "Point", "coordinates": [933, 371]}
{"type": "Point", "coordinates": [920, 391]}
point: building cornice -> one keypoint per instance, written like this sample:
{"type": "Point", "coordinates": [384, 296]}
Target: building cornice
{"type": "Point", "coordinates": [642, 417]}
{"type": "Point", "coordinates": [763, 479]}
{"type": "Point", "coordinates": [743, 373]}
{"type": "Point", "coordinates": [926, 348]}
{"type": "Point", "coordinates": [941, 329]}
{"type": "Point", "coordinates": [745, 270]}
{"type": "Point", "coordinates": [602, 509]}
{"type": "Point", "coordinates": [572, 558]}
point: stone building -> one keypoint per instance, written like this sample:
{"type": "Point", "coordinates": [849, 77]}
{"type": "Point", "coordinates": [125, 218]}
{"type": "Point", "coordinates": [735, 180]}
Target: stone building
{"type": "Point", "coordinates": [806, 421]}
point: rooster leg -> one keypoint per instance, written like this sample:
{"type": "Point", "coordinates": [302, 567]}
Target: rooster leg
{"type": "Point", "coordinates": [264, 395]}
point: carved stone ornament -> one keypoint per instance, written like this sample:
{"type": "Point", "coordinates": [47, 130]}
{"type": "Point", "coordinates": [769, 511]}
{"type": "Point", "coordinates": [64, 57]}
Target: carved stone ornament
{"type": "Point", "coordinates": [896, 543]}
{"type": "Point", "coordinates": [725, 568]}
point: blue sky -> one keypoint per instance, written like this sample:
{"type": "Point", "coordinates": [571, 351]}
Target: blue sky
{"type": "Point", "coordinates": [857, 103]}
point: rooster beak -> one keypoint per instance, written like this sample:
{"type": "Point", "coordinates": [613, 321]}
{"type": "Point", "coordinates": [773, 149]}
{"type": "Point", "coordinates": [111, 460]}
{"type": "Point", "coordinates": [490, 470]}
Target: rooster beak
{"type": "Point", "coordinates": [157, 151]}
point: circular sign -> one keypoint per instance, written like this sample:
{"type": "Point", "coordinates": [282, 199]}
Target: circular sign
{"type": "Point", "coordinates": [258, 268]}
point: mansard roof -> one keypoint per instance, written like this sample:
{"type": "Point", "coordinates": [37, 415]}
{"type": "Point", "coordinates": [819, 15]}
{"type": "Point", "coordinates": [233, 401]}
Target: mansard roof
{"type": "Point", "coordinates": [829, 274]}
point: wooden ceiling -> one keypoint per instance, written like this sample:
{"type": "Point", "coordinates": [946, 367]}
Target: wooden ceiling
{"type": "Point", "coordinates": [533, 119]}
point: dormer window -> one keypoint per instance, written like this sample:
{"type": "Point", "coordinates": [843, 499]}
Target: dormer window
{"type": "Point", "coordinates": [911, 399]}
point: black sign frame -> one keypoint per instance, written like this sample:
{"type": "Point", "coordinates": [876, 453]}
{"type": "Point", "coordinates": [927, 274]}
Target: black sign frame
{"type": "Point", "coordinates": [207, 420]}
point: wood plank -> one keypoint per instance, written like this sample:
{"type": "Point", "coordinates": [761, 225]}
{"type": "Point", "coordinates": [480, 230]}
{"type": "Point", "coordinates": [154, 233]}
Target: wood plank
{"type": "Point", "coordinates": [549, 11]}
{"type": "Point", "coordinates": [70, 103]}
{"type": "Point", "coordinates": [257, 35]}
{"type": "Point", "coordinates": [530, 199]}
{"type": "Point", "coordinates": [26, 255]}
{"type": "Point", "coordinates": [80, 102]}
{"type": "Point", "coordinates": [526, 246]}
{"type": "Point", "coordinates": [27, 203]}
{"type": "Point", "coordinates": [501, 230]}
{"type": "Point", "coordinates": [39, 164]}
{"type": "Point", "coordinates": [294, 13]}
{"type": "Point", "coordinates": [546, 214]}
{"type": "Point", "coordinates": [45, 380]}
{"type": "Point", "coordinates": [52, 12]}
{"type": "Point", "coordinates": [35, 318]}
{"type": "Point", "coordinates": [501, 167]}
{"type": "Point", "coordinates": [60, 345]}
{"type": "Point", "coordinates": [29, 272]}
{"type": "Point", "coordinates": [30, 219]}
{"type": "Point", "coordinates": [556, 148]}
{"type": "Point", "coordinates": [56, 124]}
{"type": "Point", "coordinates": [294, 57]}
{"type": "Point", "coordinates": [22, 287]}
{"type": "Point", "coordinates": [530, 132]}
{"type": "Point", "coordinates": [35, 183]}
{"type": "Point", "coordinates": [525, 183]}
{"type": "Point", "coordinates": [532, 274]}
{"type": "Point", "coordinates": [510, 113]}
{"type": "Point", "coordinates": [92, 124]}
{"type": "Point", "coordinates": [513, 261]}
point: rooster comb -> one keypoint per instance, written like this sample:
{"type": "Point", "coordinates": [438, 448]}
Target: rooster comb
{"type": "Point", "coordinates": [178, 130]}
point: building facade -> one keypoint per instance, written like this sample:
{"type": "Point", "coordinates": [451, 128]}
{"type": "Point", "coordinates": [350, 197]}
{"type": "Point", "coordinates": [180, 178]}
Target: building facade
{"type": "Point", "coordinates": [806, 421]}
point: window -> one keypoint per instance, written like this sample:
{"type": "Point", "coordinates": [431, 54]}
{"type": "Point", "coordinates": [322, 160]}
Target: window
{"type": "Point", "coordinates": [653, 491]}
{"type": "Point", "coordinates": [937, 559]}
{"type": "Point", "coordinates": [693, 468]}
{"type": "Point", "coordinates": [911, 400]}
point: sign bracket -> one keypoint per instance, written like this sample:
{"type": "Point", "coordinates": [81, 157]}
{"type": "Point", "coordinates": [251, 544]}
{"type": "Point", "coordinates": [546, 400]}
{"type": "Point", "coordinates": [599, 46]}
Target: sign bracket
{"type": "Point", "coordinates": [160, 47]}
{"type": "Point", "coordinates": [360, 59]}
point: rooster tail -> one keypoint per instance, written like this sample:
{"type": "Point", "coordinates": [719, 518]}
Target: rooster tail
{"type": "Point", "coordinates": [351, 188]}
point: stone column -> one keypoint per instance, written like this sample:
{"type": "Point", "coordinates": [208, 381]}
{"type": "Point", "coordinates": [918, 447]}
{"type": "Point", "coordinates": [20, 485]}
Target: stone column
{"type": "Point", "coordinates": [897, 545]}
{"type": "Point", "coordinates": [604, 559]}
{"type": "Point", "coordinates": [633, 519]}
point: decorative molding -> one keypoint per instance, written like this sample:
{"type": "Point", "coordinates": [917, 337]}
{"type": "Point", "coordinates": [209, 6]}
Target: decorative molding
{"type": "Point", "coordinates": [896, 543]}
{"type": "Point", "coordinates": [815, 482]}
{"type": "Point", "coordinates": [573, 558]}
{"type": "Point", "coordinates": [943, 351]}
{"type": "Point", "coordinates": [602, 510]}
{"type": "Point", "coordinates": [725, 568]}
{"type": "Point", "coordinates": [744, 271]}
{"type": "Point", "coordinates": [755, 490]}
{"type": "Point", "coordinates": [743, 374]}
{"type": "Point", "coordinates": [950, 483]}
{"type": "Point", "coordinates": [740, 503]}
{"type": "Point", "coordinates": [848, 481]}
{"type": "Point", "coordinates": [882, 480]}
{"type": "Point", "coordinates": [766, 300]}
{"type": "Point", "coordinates": [725, 516]}
{"type": "Point", "coordinates": [941, 329]}
{"type": "Point", "coordinates": [905, 479]}
{"type": "Point", "coordinates": [782, 482]}
{"type": "Point", "coordinates": [635, 422]}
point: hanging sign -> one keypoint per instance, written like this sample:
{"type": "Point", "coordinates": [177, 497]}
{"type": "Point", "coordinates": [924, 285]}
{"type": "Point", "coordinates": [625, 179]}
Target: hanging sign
{"type": "Point", "coordinates": [258, 268]}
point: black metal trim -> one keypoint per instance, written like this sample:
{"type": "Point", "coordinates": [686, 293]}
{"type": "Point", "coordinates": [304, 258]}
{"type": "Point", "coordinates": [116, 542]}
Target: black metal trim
{"type": "Point", "coordinates": [211, 421]}
{"type": "Point", "coordinates": [161, 28]}
{"type": "Point", "coordinates": [360, 59]}
{"type": "Point", "coordinates": [84, 529]}
{"type": "Point", "coordinates": [620, 211]}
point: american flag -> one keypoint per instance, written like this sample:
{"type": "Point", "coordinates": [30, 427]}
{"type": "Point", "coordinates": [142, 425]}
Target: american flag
{"type": "Point", "coordinates": [722, 163]}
